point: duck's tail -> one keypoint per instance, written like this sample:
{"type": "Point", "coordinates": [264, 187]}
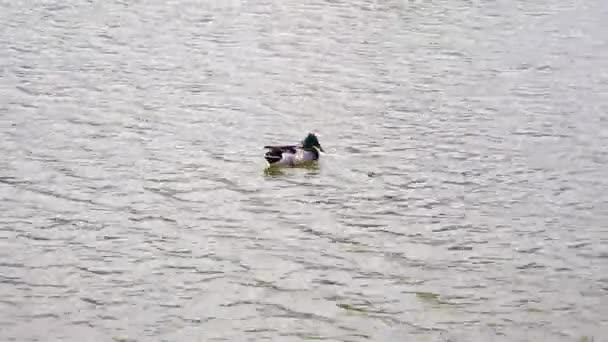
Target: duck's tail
{"type": "Point", "coordinates": [273, 157]}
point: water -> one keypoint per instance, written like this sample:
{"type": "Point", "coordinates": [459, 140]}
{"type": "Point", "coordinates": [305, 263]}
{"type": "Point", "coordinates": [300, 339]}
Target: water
{"type": "Point", "coordinates": [463, 196]}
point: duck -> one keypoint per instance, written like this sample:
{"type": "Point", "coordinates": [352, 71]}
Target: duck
{"type": "Point", "coordinates": [294, 155]}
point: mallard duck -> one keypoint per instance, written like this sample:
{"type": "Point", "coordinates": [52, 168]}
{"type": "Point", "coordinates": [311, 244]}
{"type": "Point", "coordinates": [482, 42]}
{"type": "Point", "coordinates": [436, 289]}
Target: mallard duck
{"type": "Point", "coordinates": [294, 155]}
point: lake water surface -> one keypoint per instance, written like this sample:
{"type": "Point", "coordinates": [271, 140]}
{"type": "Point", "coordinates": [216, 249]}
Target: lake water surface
{"type": "Point", "coordinates": [463, 197]}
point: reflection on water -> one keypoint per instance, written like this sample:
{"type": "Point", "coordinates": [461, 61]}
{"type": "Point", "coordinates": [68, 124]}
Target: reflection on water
{"type": "Point", "coordinates": [309, 169]}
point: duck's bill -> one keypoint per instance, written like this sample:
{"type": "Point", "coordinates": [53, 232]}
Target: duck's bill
{"type": "Point", "coordinates": [320, 148]}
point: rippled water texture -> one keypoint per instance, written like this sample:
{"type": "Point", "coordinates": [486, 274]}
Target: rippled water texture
{"type": "Point", "coordinates": [463, 198]}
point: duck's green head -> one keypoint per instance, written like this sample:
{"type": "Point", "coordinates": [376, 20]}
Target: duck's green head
{"type": "Point", "coordinates": [311, 141]}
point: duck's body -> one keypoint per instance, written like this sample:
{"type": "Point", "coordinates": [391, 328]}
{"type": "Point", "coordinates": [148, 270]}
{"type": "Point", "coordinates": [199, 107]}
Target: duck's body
{"type": "Point", "coordinates": [294, 155]}
{"type": "Point", "coordinates": [290, 155]}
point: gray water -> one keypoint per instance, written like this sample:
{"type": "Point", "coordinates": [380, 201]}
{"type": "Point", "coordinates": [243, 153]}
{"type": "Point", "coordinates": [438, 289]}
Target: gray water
{"type": "Point", "coordinates": [463, 196]}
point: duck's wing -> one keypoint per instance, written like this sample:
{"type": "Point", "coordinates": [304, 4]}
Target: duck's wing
{"type": "Point", "coordinates": [280, 154]}
{"type": "Point", "coordinates": [282, 148]}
